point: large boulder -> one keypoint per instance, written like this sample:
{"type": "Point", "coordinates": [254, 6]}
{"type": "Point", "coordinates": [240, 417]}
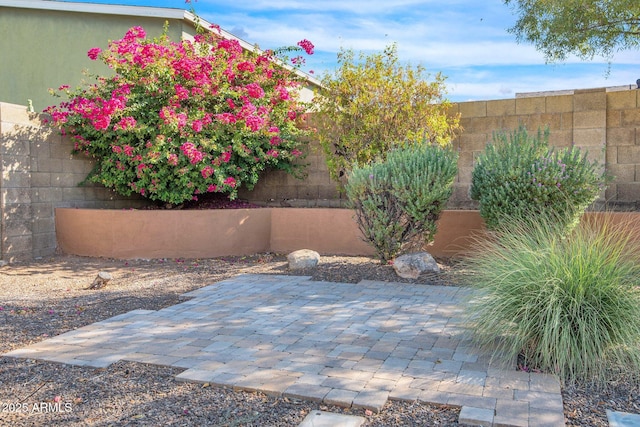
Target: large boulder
{"type": "Point", "coordinates": [410, 266]}
{"type": "Point", "coordinates": [303, 258]}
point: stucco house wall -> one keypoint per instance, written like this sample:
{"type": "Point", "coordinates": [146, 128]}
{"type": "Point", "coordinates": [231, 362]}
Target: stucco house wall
{"type": "Point", "coordinates": [44, 44]}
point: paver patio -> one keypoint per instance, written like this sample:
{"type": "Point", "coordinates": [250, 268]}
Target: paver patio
{"type": "Point", "coordinates": [346, 344]}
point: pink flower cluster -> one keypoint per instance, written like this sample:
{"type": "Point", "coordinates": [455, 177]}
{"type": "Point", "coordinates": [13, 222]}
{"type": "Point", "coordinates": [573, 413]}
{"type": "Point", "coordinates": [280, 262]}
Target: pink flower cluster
{"type": "Point", "coordinates": [98, 111]}
{"type": "Point", "coordinates": [254, 90]}
{"type": "Point", "coordinates": [173, 112]}
{"type": "Point", "coordinates": [193, 154]}
{"type": "Point", "coordinates": [207, 171]}
{"type": "Point", "coordinates": [125, 123]}
{"type": "Point", "coordinates": [246, 66]}
{"type": "Point", "coordinates": [94, 53]}
{"type": "Point", "coordinates": [172, 159]}
{"type": "Point", "coordinates": [307, 46]}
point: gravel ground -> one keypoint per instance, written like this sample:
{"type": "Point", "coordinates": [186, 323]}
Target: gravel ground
{"type": "Point", "coordinates": [48, 297]}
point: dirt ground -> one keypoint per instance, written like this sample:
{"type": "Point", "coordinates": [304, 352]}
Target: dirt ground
{"type": "Point", "coordinates": [48, 297]}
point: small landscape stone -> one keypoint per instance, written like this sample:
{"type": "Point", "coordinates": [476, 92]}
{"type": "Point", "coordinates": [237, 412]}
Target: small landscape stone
{"type": "Point", "coordinates": [303, 258]}
{"type": "Point", "coordinates": [410, 266]}
{"type": "Point", "coordinates": [100, 281]}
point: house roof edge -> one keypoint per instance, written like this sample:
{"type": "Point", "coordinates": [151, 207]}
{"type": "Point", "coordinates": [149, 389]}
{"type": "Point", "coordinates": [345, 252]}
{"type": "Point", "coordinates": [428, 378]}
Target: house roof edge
{"type": "Point", "coordinates": [108, 9]}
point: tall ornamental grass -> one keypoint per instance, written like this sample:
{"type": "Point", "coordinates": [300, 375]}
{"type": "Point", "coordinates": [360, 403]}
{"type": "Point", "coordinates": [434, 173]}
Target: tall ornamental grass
{"type": "Point", "coordinates": [568, 305]}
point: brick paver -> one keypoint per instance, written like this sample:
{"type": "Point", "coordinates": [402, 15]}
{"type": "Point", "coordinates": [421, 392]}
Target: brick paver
{"type": "Point", "coordinates": [351, 344]}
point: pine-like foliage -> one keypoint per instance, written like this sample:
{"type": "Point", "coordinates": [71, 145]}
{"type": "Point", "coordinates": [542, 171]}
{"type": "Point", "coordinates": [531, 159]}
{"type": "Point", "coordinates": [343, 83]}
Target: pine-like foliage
{"type": "Point", "coordinates": [399, 199]}
{"type": "Point", "coordinates": [520, 176]}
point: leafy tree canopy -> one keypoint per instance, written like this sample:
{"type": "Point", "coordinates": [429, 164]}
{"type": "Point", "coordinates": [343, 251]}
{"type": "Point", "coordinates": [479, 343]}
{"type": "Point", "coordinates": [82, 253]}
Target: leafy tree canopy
{"type": "Point", "coordinates": [586, 28]}
{"type": "Point", "coordinates": [372, 103]}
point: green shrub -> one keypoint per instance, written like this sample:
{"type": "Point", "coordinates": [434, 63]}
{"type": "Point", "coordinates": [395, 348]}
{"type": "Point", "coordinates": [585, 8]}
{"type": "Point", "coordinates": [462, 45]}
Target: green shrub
{"type": "Point", "coordinates": [372, 102]}
{"type": "Point", "coordinates": [182, 119]}
{"type": "Point", "coordinates": [568, 303]}
{"type": "Point", "coordinates": [520, 174]}
{"type": "Point", "coordinates": [398, 200]}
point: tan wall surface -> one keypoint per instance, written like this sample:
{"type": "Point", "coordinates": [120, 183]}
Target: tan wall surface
{"type": "Point", "coordinates": [130, 234]}
{"type": "Point", "coordinates": [39, 174]}
{"type": "Point", "coordinates": [604, 123]}
{"type": "Point", "coordinates": [335, 231]}
{"type": "Point", "coordinates": [457, 231]}
{"type": "Point", "coordinates": [326, 231]}
{"type": "Point", "coordinates": [623, 148]}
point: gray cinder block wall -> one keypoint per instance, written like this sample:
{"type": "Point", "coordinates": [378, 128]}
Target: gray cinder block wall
{"type": "Point", "coordinates": [603, 121]}
{"type": "Point", "coordinates": [39, 174]}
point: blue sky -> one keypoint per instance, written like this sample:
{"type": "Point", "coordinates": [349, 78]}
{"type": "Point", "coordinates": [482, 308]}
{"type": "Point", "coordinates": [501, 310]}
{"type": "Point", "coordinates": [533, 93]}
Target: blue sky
{"type": "Point", "coordinates": [466, 40]}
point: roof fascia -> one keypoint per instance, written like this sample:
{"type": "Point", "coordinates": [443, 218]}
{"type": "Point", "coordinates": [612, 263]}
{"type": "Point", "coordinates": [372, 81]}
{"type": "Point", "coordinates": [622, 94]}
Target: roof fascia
{"type": "Point", "coordinates": [107, 9]}
{"type": "Point", "coordinates": [145, 11]}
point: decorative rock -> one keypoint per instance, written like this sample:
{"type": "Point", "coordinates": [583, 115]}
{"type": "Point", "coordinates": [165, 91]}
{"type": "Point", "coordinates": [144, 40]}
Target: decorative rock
{"type": "Point", "coordinates": [100, 281]}
{"type": "Point", "coordinates": [303, 258]}
{"type": "Point", "coordinates": [410, 266]}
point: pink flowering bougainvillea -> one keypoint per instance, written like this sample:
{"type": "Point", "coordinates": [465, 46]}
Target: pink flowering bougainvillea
{"type": "Point", "coordinates": [179, 119]}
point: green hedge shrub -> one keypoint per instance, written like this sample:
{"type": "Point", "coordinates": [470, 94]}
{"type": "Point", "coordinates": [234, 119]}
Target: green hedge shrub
{"type": "Point", "coordinates": [520, 174]}
{"type": "Point", "coordinates": [181, 119]}
{"type": "Point", "coordinates": [399, 199]}
{"type": "Point", "coordinates": [568, 303]}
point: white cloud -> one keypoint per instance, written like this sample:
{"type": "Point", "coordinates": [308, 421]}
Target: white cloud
{"type": "Point", "coordinates": [493, 85]}
{"type": "Point", "coordinates": [329, 6]}
{"type": "Point", "coordinates": [421, 37]}
{"type": "Point", "coordinates": [465, 39]}
{"type": "Point", "coordinates": [478, 53]}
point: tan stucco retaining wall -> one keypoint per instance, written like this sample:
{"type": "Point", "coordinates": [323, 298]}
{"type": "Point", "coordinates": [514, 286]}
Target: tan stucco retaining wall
{"type": "Point", "coordinates": [326, 231]}
{"type": "Point", "coordinates": [146, 234]}
{"type": "Point", "coordinates": [129, 234]}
